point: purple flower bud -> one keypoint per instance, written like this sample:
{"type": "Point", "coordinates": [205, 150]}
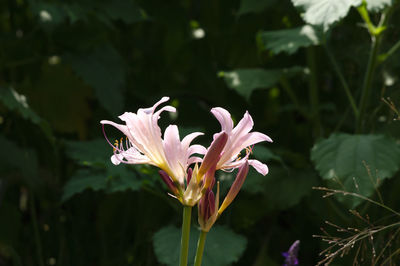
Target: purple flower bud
{"type": "Point", "coordinates": [207, 205]}
{"type": "Point", "coordinates": [236, 186]}
{"type": "Point", "coordinates": [189, 176]}
{"type": "Point", "coordinates": [291, 254]}
{"type": "Point", "coordinates": [213, 154]}
{"type": "Point", "coordinates": [168, 181]}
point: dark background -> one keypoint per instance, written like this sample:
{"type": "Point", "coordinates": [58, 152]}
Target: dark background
{"type": "Point", "coordinates": [66, 65]}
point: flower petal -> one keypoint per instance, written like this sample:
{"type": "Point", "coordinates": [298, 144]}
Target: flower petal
{"type": "Point", "coordinates": [224, 118]}
{"type": "Point", "coordinates": [244, 126]}
{"type": "Point", "coordinates": [259, 166]}
{"type": "Point", "coordinates": [189, 138]}
{"type": "Point", "coordinates": [175, 156]}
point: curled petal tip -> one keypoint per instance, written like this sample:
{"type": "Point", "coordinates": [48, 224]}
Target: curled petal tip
{"type": "Point", "coordinates": [164, 98]}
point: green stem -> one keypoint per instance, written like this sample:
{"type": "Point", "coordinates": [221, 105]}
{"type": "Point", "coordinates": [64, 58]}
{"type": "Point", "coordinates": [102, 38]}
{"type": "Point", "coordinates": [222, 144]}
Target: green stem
{"type": "Point", "coordinates": [200, 248]}
{"type": "Point", "coordinates": [343, 81]}
{"type": "Point", "coordinates": [187, 214]}
{"type": "Point", "coordinates": [376, 37]}
{"type": "Point", "coordinates": [366, 88]}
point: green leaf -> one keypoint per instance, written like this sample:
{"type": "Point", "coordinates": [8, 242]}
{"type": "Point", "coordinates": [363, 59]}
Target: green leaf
{"type": "Point", "coordinates": [18, 102]}
{"type": "Point", "coordinates": [104, 70]}
{"type": "Point", "coordinates": [83, 179]}
{"type": "Point", "coordinates": [325, 12]}
{"type": "Point", "coordinates": [254, 6]}
{"type": "Point", "coordinates": [281, 188]}
{"type": "Point", "coordinates": [222, 247]}
{"type": "Point", "coordinates": [104, 175]}
{"type": "Point", "coordinates": [376, 5]}
{"type": "Point", "coordinates": [92, 152]}
{"type": "Point", "coordinates": [344, 158]}
{"type": "Point", "coordinates": [290, 40]}
{"type": "Point", "coordinates": [245, 81]}
{"type": "Point", "coordinates": [116, 178]}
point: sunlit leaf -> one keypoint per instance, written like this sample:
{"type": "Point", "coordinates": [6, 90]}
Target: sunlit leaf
{"type": "Point", "coordinates": [245, 81]}
{"type": "Point", "coordinates": [223, 247]}
{"type": "Point", "coordinates": [290, 40]}
{"type": "Point", "coordinates": [254, 6]}
{"type": "Point", "coordinates": [325, 12]}
{"type": "Point", "coordinates": [345, 158]}
{"type": "Point", "coordinates": [376, 5]}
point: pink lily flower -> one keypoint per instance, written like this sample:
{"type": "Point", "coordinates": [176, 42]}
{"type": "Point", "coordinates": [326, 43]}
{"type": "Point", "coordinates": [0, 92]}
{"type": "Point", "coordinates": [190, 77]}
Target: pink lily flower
{"type": "Point", "coordinates": [239, 138]}
{"type": "Point", "coordinates": [144, 143]}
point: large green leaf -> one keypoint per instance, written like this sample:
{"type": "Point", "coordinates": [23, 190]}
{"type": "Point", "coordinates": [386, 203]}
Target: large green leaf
{"type": "Point", "coordinates": [290, 40]}
{"type": "Point", "coordinates": [345, 158]}
{"type": "Point", "coordinates": [325, 12]}
{"type": "Point", "coordinates": [91, 152]}
{"type": "Point", "coordinates": [103, 175]}
{"type": "Point", "coordinates": [104, 70]}
{"type": "Point", "coordinates": [245, 81]}
{"type": "Point", "coordinates": [222, 247]}
{"type": "Point", "coordinates": [116, 178]}
{"type": "Point", "coordinates": [254, 6]}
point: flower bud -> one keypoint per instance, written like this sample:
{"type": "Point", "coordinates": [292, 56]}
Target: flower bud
{"type": "Point", "coordinates": [236, 186]}
{"type": "Point", "coordinates": [213, 153]}
{"type": "Point", "coordinates": [168, 181]}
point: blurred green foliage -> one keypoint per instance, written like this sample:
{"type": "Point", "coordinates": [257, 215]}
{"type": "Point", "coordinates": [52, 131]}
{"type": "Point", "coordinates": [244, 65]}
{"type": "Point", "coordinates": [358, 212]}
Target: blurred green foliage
{"type": "Point", "coordinates": [312, 74]}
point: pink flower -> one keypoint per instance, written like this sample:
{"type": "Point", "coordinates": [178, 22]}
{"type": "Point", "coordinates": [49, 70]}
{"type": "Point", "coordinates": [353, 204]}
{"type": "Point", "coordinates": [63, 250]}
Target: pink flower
{"type": "Point", "coordinates": [239, 138]}
{"type": "Point", "coordinates": [144, 144]}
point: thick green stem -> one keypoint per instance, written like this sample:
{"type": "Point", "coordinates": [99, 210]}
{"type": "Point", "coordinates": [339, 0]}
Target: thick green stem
{"type": "Point", "coordinates": [200, 248]}
{"type": "Point", "coordinates": [187, 214]}
{"type": "Point", "coordinates": [366, 88]}
{"type": "Point", "coordinates": [376, 37]}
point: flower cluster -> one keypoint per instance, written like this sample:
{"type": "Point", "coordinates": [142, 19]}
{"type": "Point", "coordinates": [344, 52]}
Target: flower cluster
{"type": "Point", "coordinates": [189, 170]}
